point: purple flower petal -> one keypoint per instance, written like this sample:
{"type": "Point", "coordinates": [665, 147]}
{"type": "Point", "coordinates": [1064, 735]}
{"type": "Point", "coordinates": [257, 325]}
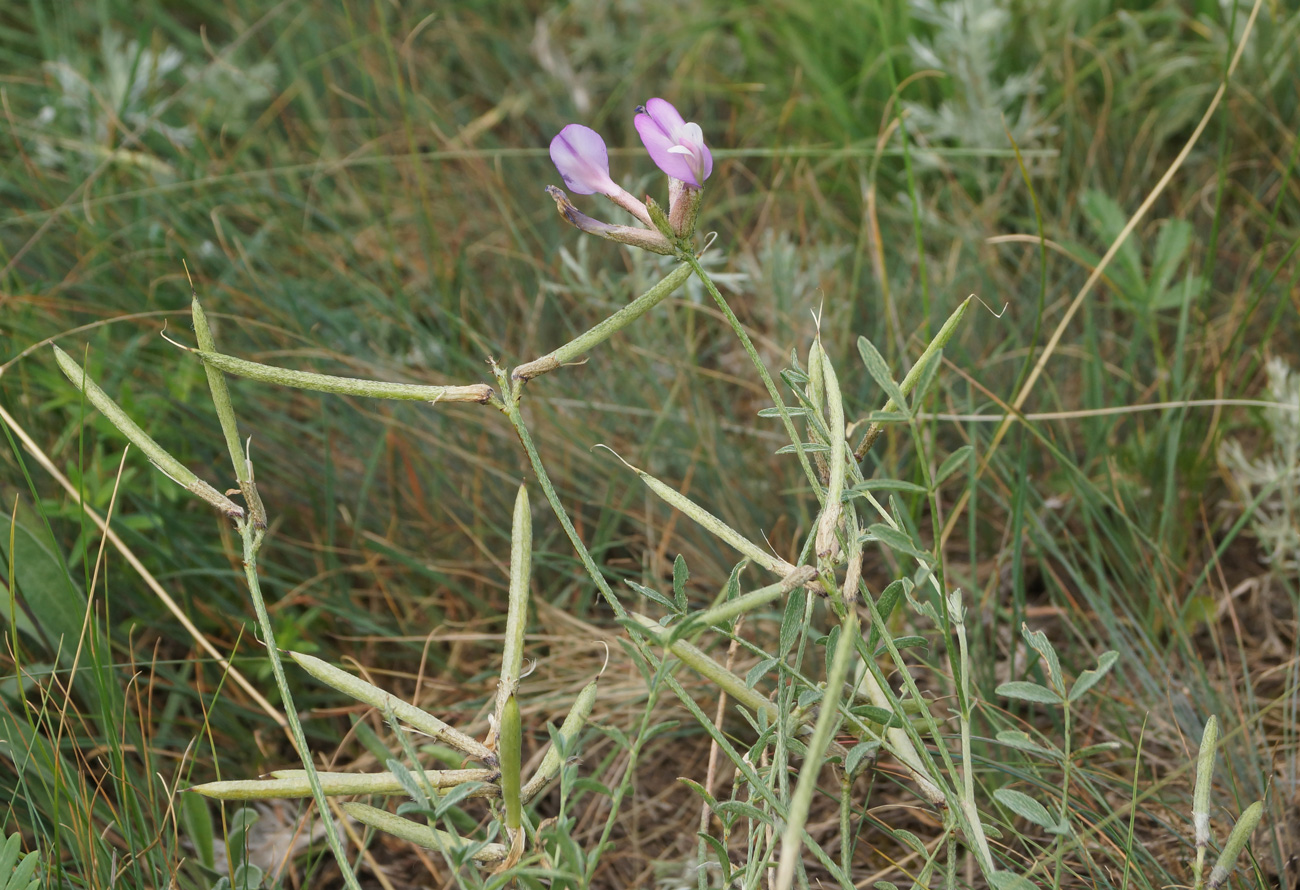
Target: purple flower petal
{"type": "Point", "coordinates": [676, 147]}
{"type": "Point", "coordinates": [666, 115]}
{"type": "Point", "coordinates": [580, 155]}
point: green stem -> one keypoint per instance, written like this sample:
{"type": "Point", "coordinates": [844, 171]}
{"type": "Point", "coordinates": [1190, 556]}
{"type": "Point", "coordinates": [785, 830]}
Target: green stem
{"type": "Point", "coordinates": [752, 352]}
{"type": "Point", "coordinates": [827, 722]}
{"type": "Point", "coordinates": [909, 381]}
{"type": "Point", "coordinates": [607, 328]}
{"type": "Point", "coordinates": [252, 539]}
{"type": "Point", "coordinates": [511, 409]}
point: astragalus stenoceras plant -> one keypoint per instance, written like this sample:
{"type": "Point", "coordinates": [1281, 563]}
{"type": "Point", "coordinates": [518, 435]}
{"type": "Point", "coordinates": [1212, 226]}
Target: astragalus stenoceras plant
{"type": "Point", "coordinates": [850, 717]}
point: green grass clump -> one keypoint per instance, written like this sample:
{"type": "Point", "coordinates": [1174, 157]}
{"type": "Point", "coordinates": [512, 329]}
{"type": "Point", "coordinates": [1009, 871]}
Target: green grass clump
{"type": "Point", "coordinates": [357, 190]}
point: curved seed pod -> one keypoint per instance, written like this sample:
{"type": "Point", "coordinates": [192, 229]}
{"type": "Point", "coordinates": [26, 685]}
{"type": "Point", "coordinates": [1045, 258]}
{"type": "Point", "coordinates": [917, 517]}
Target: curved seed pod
{"type": "Point", "coordinates": [510, 743]}
{"type": "Point", "coordinates": [833, 507]}
{"type": "Point", "coordinates": [386, 701]}
{"type": "Point", "coordinates": [1241, 833]}
{"type": "Point", "coordinates": [348, 386]}
{"type": "Point", "coordinates": [288, 783]}
{"type": "Point", "coordinates": [161, 458]}
{"type": "Point", "coordinates": [550, 765]}
{"type": "Point", "coordinates": [422, 835]}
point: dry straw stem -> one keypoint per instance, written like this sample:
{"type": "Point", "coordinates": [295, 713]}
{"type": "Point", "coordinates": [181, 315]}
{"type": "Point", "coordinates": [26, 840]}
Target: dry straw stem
{"type": "Point", "coordinates": [550, 765]}
{"type": "Point", "coordinates": [387, 702]}
{"type": "Point", "coordinates": [294, 783]}
{"type": "Point", "coordinates": [170, 466]}
{"type": "Point", "coordinates": [1097, 272]}
{"type": "Point", "coordinates": [422, 835]}
{"type": "Point", "coordinates": [134, 562]}
{"type": "Point", "coordinates": [350, 386]}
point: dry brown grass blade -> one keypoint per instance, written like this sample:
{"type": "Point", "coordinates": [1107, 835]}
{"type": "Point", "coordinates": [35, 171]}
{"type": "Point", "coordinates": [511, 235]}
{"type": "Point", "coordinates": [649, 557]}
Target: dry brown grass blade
{"type": "Point", "coordinates": [150, 581]}
{"type": "Point", "coordinates": [1097, 274]}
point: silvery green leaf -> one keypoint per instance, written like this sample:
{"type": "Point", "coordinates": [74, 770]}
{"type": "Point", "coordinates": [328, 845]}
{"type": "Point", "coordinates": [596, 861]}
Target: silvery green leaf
{"type": "Point", "coordinates": [680, 576]}
{"type": "Point", "coordinates": [247, 877]}
{"type": "Point", "coordinates": [879, 371]}
{"type": "Point", "coordinates": [808, 447]}
{"type": "Point", "coordinates": [896, 540]}
{"type": "Point", "coordinates": [654, 595]}
{"type": "Point", "coordinates": [734, 808]}
{"type": "Point", "coordinates": [759, 671]}
{"type": "Point", "coordinates": [889, 485]}
{"type": "Point", "coordinates": [1038, 641]}
{"type": "Point", "coordinates": [1025, 806]}
{"type": "Point", "coordinates": [858, 754]}
{"type": "Point", "coordinates": [1023, 689]}
{"type": "Point", "coordinates": [1088, 679]}
{"type": "Point", "coordinates": [952, 463]}
{"type": "Point", "coordinates": [792, 621]}
{"type": "Point", "coordinates": [1009, 880]}
{"type": "Point", "coordinates": [1021, 742]}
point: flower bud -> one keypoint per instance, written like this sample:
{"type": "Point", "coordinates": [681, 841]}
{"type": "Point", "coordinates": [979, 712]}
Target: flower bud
{"type": "Point", "coordinates": [642, 238]}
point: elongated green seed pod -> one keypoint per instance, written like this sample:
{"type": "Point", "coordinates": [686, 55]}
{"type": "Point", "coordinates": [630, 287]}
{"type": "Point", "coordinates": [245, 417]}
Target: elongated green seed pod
{"type": "Point", "coordinates": [421, 835]}
{"type": "Point", "coordinates": [1204, 774]}
{"type": "Point", "coordinates": [288, 783]}
{"type": "Point", "coordinates": [160, 457]}
{"type": "Point", "coordinates": [510, 741]}
{"type": "Point", "coordinates": [1241, 833]}
{"type": "Point", "coordinates": [404, 711]}
{"type": "Point", "coordinates": [349, 386]}
{"type": "Point", "coordinates": [833, 506]}
{"type": "Point", "coordinates": [724, 612]}
{"type": "Point", "coordinates": [708, 668]}
{"type": "Point", "coordinates": [1201, 795]}
{"type": "Point", "coordinates": [714, 525]}
{"type": "Point", "coordinates": [521, 556]}
{"type": "Point", "coordinates": [550, 765]}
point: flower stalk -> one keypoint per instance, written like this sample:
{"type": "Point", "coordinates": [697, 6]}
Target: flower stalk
{"type": "Point", "coordinates": [601, 332]}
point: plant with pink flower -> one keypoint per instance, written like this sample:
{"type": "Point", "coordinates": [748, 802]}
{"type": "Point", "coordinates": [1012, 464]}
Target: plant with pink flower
{"type": "Point", "coordinates": [677, 148]}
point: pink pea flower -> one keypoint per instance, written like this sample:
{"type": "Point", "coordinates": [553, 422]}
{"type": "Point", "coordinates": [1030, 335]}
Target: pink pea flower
{"type": "Point", "coordinates": [676, 147]}
{"type": "Point", "coordinates": [580, 155]}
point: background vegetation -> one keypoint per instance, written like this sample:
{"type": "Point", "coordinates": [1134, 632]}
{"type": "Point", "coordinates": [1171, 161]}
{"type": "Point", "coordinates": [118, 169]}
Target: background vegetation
{"type": "Point", "coordinates": [357, 189]}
